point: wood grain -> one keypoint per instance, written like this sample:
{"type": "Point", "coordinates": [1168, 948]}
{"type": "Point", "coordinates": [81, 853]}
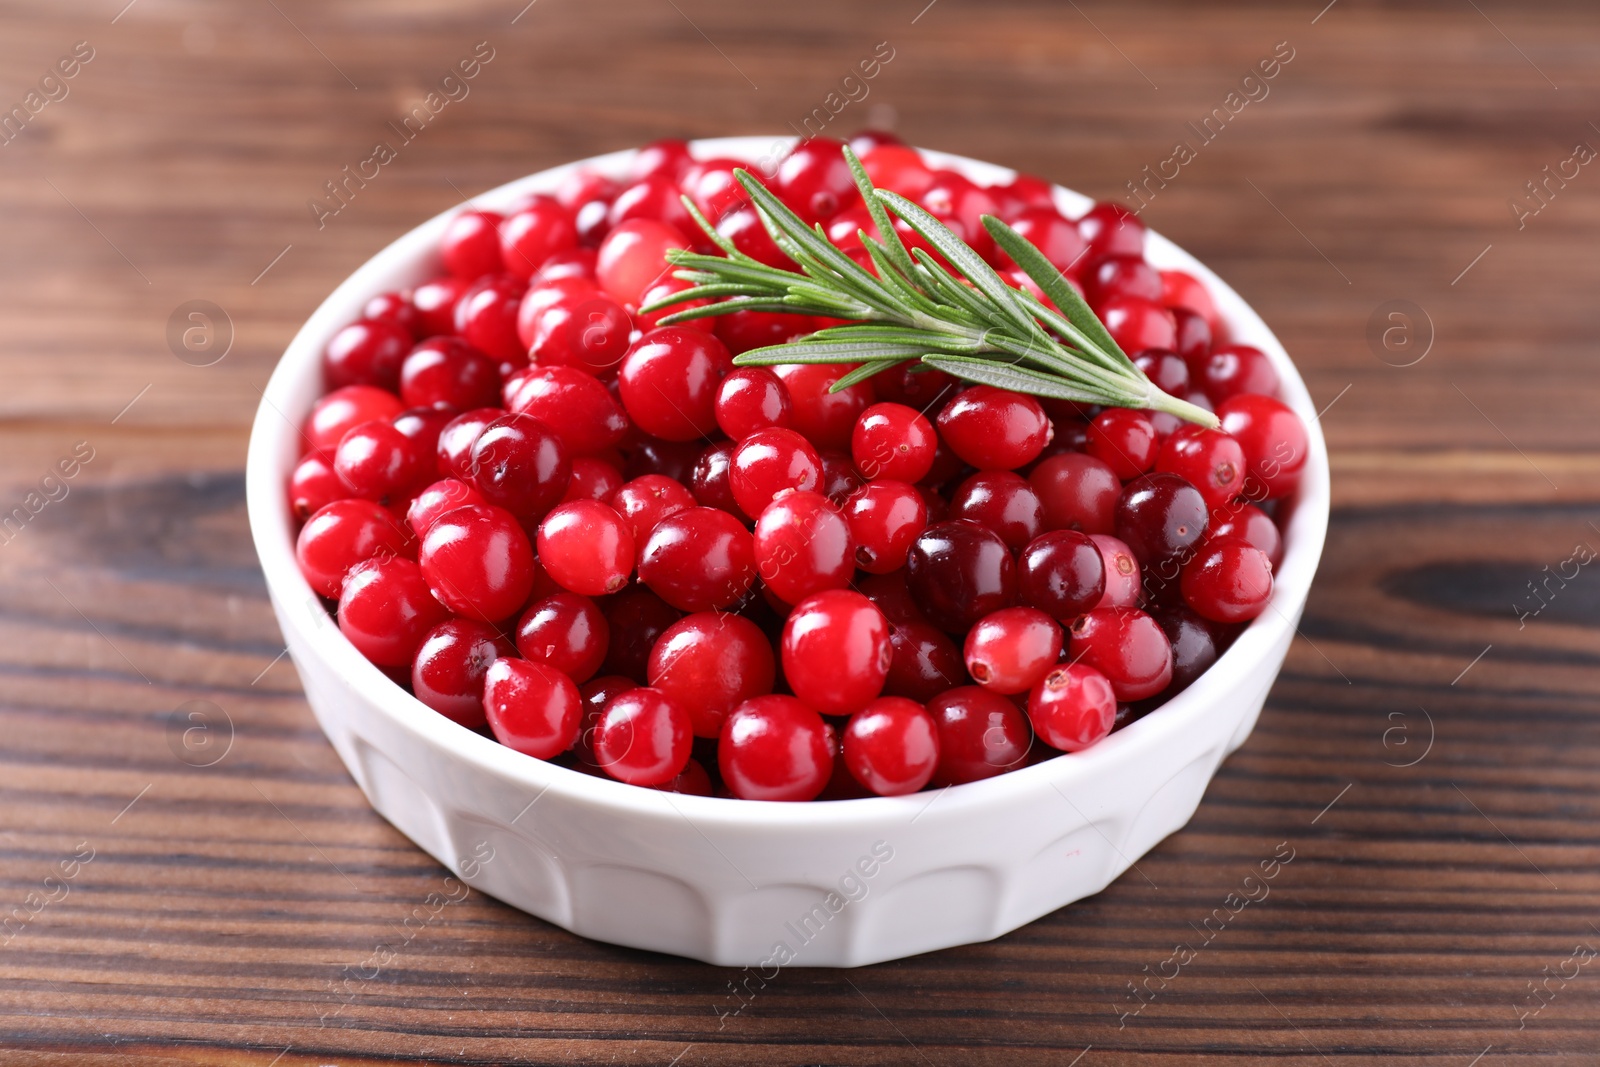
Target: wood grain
{"type": "Point", "coordinates": [225, 907]}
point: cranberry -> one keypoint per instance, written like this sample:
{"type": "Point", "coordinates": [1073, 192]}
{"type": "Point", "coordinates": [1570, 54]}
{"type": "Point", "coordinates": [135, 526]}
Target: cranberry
{"type": "Point", "coordinates": [699, 559]}
{"type": "Point", "coordinates": [1160, 516]}
{"type": "Point", "coordinates": [994, 429]}
{"type": "Point", "coordinates": [1124, 440]}
{"type": "Point", "coordinates": [1022, 192]}
{"type": "Point", "coordinates": [450, 372]}
{"type": "Point", "coordinates": [667, 158]}
{"type": "Point", "coordinates": [656, 199]}
{"type": "Point", "coordinates": [1196, 642]}
{"type": "Point", "coordinates": [893, 441]}
{"type": "Point", "coordinates": [1128, 647]}
{"type": "Point", "coordinates": [815, 181]}
{"type": "Point", "coordinates": [1010, 650]}
{"type": "Point", "coordinates": [366, 353]}
{"type": "Point", "coordinates": [1180, 290]}
{"type": "Point", "coordinates": [743, 228]}
{"type": "Point", "coordinates": [1053, 235]}
{"type": "Point", "coordinates": [377, 462]}
{"type": "Point", "coordinates": [1228, 580]}
{"type": "Point", "coordinates": [845, 229]}
{"type": "Point", "coordinates": [448, 673]}
{"type": "Point", "coordinates": [595, 694]}
{"type": "Point", "coordinates": [960, 204]}
{"type": "Point", "coordinates": [574, 262]}
{"type": "Point", "coordinates": [751, 399]}
{"type": "Point", "coordinates": [634, 256]}
{"type": "Point", "coordinates": [566, 631]}
{"type": "Point", "coordinates": [775, 748]}
{"type": "Point", "coordinates": [1123, 583]}
{"type": "Point", "coordinates": [575, 405]}
{"type": "Point", "coordinates": [637, 618]}
{"type": "Point", "coordinates": [1120, 276]}
{"type": "Point", "coordinates": [1004, 502]}
{"type": "Point", "coordinates": [1137, 324]}
{"type": "Point", "coordinates": [435, 302]}
{"type": "Point", "coordinates": [586, 547]}
{"type": "Point", "coordinates": [486, 315]}
{"type": "Point", "coordinates": [547, 293]}
{"type": "Point", "coordinates": [582, 186]}
{"type": "Point", "coordinates": [885, 518]}
{"type": "Point", "coordinates": [925, 661]}
{"type": "Point", "coordinates": [803, 546]}
{"type": "Point", "coordinates": [1209, 460]}
{"type": "Point", "coordinates": [313, 485]}
{"type": "Point", "coordinates": [643, 737]}
{"type": "Point", "coordinates": [712, 662]}
{"type": "Point", "coordinates": [669, 382]}
{"type": "Point", "coordinates": [1112, 230]}
{"type": "Point", "coordinates": [916, 385]}
{"type": "Point", "coordinates": [454, 445]}
{"type": "Point", "coordinates": [1274, 442]}
{"type": "Point", "coordinates": [519, 463]}
{"type": "Point", "coordinates": [693, 780]}
{"type": "Point", "coordinates": [1256, 527]}
{"type": "Point", "coordinates": [891, 746]}
{"type": "Point", "coordinates": [900, 168]}
{"type": "Point", "coordinates": [1062, 574]}
{"type": "Point", "coordinates": [959, 572]}
{"type": "Point", "coordinates": [711, 482]}
{"type": "Point", "coordinates": [826, 419]}
{"type": "Point", "coordinates": [663, 288]}
{"type": "Point", "coordinates": [592, 479]}
{"type": "Point", "coordinates": [385, 610]}
{"type": "Point", "coordinates": [836, 651]}
{"type": "Point", "coordinates": [531, 708]}
{"type": "Point", "coordinates": [534, 234]}
{"type": "Point", "coordinates": [1072, 707]}
{"type": "Point", "coordinates": [670, 459]}
{"type": "Point", "coordinates": [591, 335]}
{"type": "Point", "coordinates": [769, 462]}
{"type": "Point", "coordinates": [981, 734]}
{"type": "Point", "coordinates": [839, 477]}
{"type": "Point", "coordinates": [890, 593]}
{"type": "Point", "coordinates": [1235, 369]}
{"type": "Point", "coordinates": [470, 246]}
{"type": "Point", "coordinates": [712, 186]}
{"type": "Point", "coordinates": [1193, 338]}
{"type": "Point", "coordinates": [477, 560]}
{"type": "Point", "coordinates": [343, 409]}
{"type": "Point", "coordinates": [647, 500]}
{"type": "Point", "coordinates": [1166, 370]}
{"type": "Point", "coordinates": [394, 308]}
{"type": "Point", "coordinates": [423, 426]}
{"type": "Point", "coordinates": [441, 497]}
{"type": "Point", "coordinates": [342, 534]}
{"type": "Point", "coordinates": [1079, 492]}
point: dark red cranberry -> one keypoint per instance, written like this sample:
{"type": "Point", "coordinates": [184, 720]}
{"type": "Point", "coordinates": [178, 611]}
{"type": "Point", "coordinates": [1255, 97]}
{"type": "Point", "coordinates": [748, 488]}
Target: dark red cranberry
{"type": "Point", "coordinates": [981, 734]}
{"type": "Point", "coordinates": [519, 463]}
{"type": "Point", "coordinates": [711, 482]}
{"type": "Point", "coordinates": [1196, 643]}
{"type": "Point", "coordinates": [435, 302]}
{"type": "Point", "coordinates": [925, 662]}
{"type": "Point", "coordinates": [958, 572]}
{"type": "Point", "coordinates": [636, 618]}
{"type": "Point", "coordinates": [1062, 574]}
{"type": "Point", "coordinates": [1166, 370]}
{"type": "Point", "coordinates": [1161, 516]}
{"type": "Point", "coordinates": [1004, 502]}
{"type": "Point", "coordinates": [449, 372]}
{"type": "Point", "coordinates": [1193, 336]}
{"type": "Point", "coordinates": [669, 459]}
{"type": "Point", "coordinates": [1053, 235]}
{"type": "Point", "coordinates": [1078, 492]}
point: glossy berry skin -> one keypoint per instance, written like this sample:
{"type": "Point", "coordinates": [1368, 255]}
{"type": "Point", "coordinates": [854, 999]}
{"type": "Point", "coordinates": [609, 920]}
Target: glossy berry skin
{"type": "Point", "coordinates": [1072, 707]}
{"type": "Point", "coordinates": [643, 737]}
{"type": "Point", "coordinates": [958, 572]}
{"type": "Point", "coordinates": [839, 477]}
{"type": "Point", "coordinates": [441, 497]}
{"type": "Point", "coordinates": [836, 651]}
{"type": "Point", "coordinates": [1160, 517]}
{"type": "Point", "coordinates": [925, 661]}
{"type": "Point", "coordinates": [774, 748]}
{"type": "Point", "coordinates": [1228, 580]}
{"type": "Point", "coordinates": [342, 534]}
{"type": "Point", "coordinates": [424, 425]}
{"type": "Point", "coordinates": [366, 353]}
{"type": "Point", "coordinates": [1209, 460]}
{"type": "Point", "coordinates": [960, 204]}
{"type": "Point", "coordinates": [1112, 230]}
{"type": "Point", "coordinates": [1062, 574]}
{"type": "Point", "coordinates": [394, 308]}
{"type": "Point", "coordinates": [1167, 370]}
{"type": "Point", "coordinates": [1274, 442]}
{"type": "Point", "coordinates": [385, 609]}
{"type": "Point", "coordinates": [633, 257]}
{"type": "Point", "coordinates": [451, 372]}
{"type": "Point", "coordinates": [1235, 369]}
{"type": "Point", "coordinates": [994, 429]}
{"type": "Point", "coordinates": [751, 399]}
{"type": "Point", "coordinates": [591, 334]}
{"type": "Point", "coordinates": [1010, 650]}
{"type": "Point", "coordinates": [453, 448]}
{"type": "Point", "coordinates": [637, 618]}
{"type": "Point", "coordinates": [1057, 238]}
{"type": "Point", "coordinates": [648, 499]}
{"type": "Point", "coordinates": [575, 405]}
{"type": "Point", "coordinates": [313, 485]}
{"type": "Point", "coordinates": [1123, 581]}
{"type": "Point", "coordinates": [666, 158]}
{"type": "Point", "coordinates": [435, 303]}
{"type": "Point", "coordinates": [377, 462]}
{"type": "Point", "coordinates": [1120, 276]}
{"type": "Point", "coordinates": [478, 562]}
{"type": "Point", "coordinates": [665, 287]}
{"type": "Point", "coordinates": [1255, 526]}
{"type": "Point", "coordinates": [1078, 492]}
{"type": "Point", "coordinates": [531, 708]}
{"type": "Point", "coordinates": [898, 167]}
{"type": "Point", "coordinates": [885, 518]}
{"type": "Point", "coordinates": [1196, 643]}
{"type": "Point", "coordinates": [595, 694]}
{"type": "Point", "coordinates": [486, 316]}
{"type": "Point", "coordinates": [711, 184]}
{"type": "Point", "coordinates": [1194, 339]}
{"type": "Point", "coordinates": [592, 479]}
{"type": "Point", "coordinates": [826, 419]}
{"type": "Point", "coordinates": [981, 734]}
{"type": "Point", "coordinates": [670, 459]}
{"type": "Point", "coordinates": [712, 662]}
{"type": "Point", "coordinates": [803, 546]}
{"type": "Point", "coordinates": [518, 463]}
{"type": "Point", "coordinates": [699, 559]}
{"type": "Point", "coordinates": [337, 413]}
{"type": "Point", "coordinates": [893, 441]}
{"type": "Point", "coordinates": [565, 631]}
{"type": "Point", "coordinates": [815, 181]}
{"type": "Point", "coordinates": [470, 246]}
{"type": "Point", "coordinates": [743, 228]}
{"type": "Point", "coordinates": [891, 746]}
{"type": "Point", "coordinates": [669, 382]}
{"type": "Point", "coordinates": [534, 234]}
{"type": "Point", "coordinates": [1004, 502]}
{"type": "Point", "coordinates": [1137, 324]}
{"type": "Point", "coordinates": [448, 672]}
{"type": "Point", "coordinates": [711, 483]}
{"type": "Point", "coordinates": [767, 463]}
{"type": "Point", "coordinates": [1124, 440]}
{"type": "Point", "coordinates": [1125, 645]}
{"type": "Point", "coordinates": [546, 293]}
{"type": "Point", "coordinates": [586, 547]}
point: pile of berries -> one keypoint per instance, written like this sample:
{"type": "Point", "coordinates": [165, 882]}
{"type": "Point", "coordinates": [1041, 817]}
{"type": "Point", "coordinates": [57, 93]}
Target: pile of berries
{"type": "Point", "coordinates": [550, 517]}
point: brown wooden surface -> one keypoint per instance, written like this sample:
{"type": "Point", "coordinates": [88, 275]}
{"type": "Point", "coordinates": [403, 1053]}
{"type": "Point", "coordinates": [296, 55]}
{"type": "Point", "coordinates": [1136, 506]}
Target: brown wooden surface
{"type": "Point", "coordinates": [221, 909]}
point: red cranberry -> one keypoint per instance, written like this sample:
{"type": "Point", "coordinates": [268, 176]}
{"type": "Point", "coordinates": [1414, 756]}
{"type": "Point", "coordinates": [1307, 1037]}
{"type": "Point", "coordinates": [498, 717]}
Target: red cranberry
{"type": "Point", "coordinates": [366, 353]}
{"type": "Point", "coordinates": [839, 477]}
{"type": "Point", "coordinates": [441, 497]}
{"type": "Point", "coordinates": [575, 405]}
{"type": "Point", "coordinates": [313, 485]}
{"type": "Point", "coordinates": [565, 631]}
{"type": "Point", "coordinates": [1235, 369]}
{"type": "Point", "coordinates": [891, 746]}
{"type": "Point", "coordinates": [751, 399]}
{"type": "Point", "coordinates": [470, 246]}
{"type": "Point", "coordinates": [1180, 290]}
{"type": "Point", "coordinates": [1124, 440]}
{"type": "Point", "coordinates": [450, 372]}
{"type": "Point", "coordinates": [815, 181]}
{"type": "Point", "coordinates": [1021, 193]}
{"type": "Point", "coordinates": [342, 534]}
{"type": "Point", "coordinates": [574, 262]}
{"type": "Point", "coordinates": [893, 441]}
{"type": "Point", "coordinates": [711, 184]}
{"type": "Point", "coordinates": [743, 228]}
{"type": "Point", "coordinates": [885, 518]}
{"type": "Point", "coordinates": [712, 483]}
{"type": "Point", "coordinates": [669, 382]}
{"type": "Point", "coordinates": [477, 560]}
{"type": "Point", "coordinates": [1123, 583]}
{"type": "Point", "coordinates": [1256, 527]}
{"type": "Point", "coordinates": [1112, 230]}
{"type": "Point", "coordinates": [900, 168]}
{"type": "Point", "coordinates": [1120, 276]}
{"type": "Point", "coordinates": [1274, 442]}
{"type": "Point", "coordinates": [958, 572]}
{"type": "Point", "coordinates": [712, 662]}
{"type": "Point", "coordinates": [845, 229]}
{"type": "Point", "coordinates": [547, 293]}
{"type": "Point", "coordinates": [981, 734]}
{"type": "Point", "coordinates": [995, 429]}
{"type": "Point", "coordinates": [1062, 574]}
{"type": "Point", "coordinates": [486, 315]}
{"type": "Point", "coordinates": [534, 234]}
{"type": "Point", "coordinates": [519, 463]}
{"type": "Point", "coordinates": [925, 661]}
{"type": "Point", "coordinates": [960, 204]}
{"type": "Point", "coordinates": [1160, 516]}
{"type": "Point", "coordinates": [647, 500]}
{"type": "Point", "coordinates": [1004, 502]}
{"type": "Point", "coordinates": [633, 257]}
{"type": "Point", "coordinates": [699, 559]}
{"type": "Point", "coordinates": [643, 737]}
{"type": "Point", "coordinates": [1072, 707]}
{"type": "Point", "coordinates": [666, 158]}
{"type": "Point", "coordinates": [1196, 643]}
{"type": "Point", "coordinates": [435, 302]}
{"type": "Point", "coordinates": [586, 547]}
{"type": "Point", "coordinates": [1166, 370]}
{"type": "Point", "coordinates": [836, 651]}
{"type": "Point", "coordinates": [656, 199]}
{"type": "Point", "coordinates": [1010, 650]}
{"type": "Point", "coordinates": [826, 419]}
{"type": "Point", "coordinates": [890, 593]}
{"type": "Point", "coordinates": [385, 610]}
{"type": "Point", "coordinates": [340, 411]}
{"type": "Point", "coordinates": [1137, 324]}
{"type": "Point", "coordinates": [1193, 336]}
{"type": "Point", "coordinates": [377, 462]}
{"type": "Point", "coordinates": [595, 694]}
{"type": "Point", "coordinates": [455, 441]}
{"type": "Point", "coordinates": [448, 673]}
{"type": "Point", "coordinates": [1209, 460]}
{"type": "Point", "coordinates": [1053, 235]}
{"type": "Point", "coordinates": [775, 748]}
{"type": "Point", "coordinates": [591, 335]}
{"type": "Point", "coordinates": [1079, 492]}
{"type": "Point", "coordinates": [1128, 647]}
{"type": "Point", "coordinates": [769, 462]}
{"type": "Point", "coordinates": [636, 618]}
{"type": "Point", "coordinates": [592, 479]}
{"type": "Point", "coordinates": [660, 290]}
{"type": "Point", "coordinates": [531, 708]}
{"type": "Point", "coordinates": [394, 308]}
{"type": "Point", "coordinates": [1228, 580]}
{"type": "Point", "coordinates": [803, 546]}
{"type": "Point", "coordinates": [693, 780]}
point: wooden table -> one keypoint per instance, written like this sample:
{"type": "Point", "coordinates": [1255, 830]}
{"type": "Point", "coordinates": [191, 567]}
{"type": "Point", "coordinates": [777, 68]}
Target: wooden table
{"type": "Point", "coordinates": [1430, 758]}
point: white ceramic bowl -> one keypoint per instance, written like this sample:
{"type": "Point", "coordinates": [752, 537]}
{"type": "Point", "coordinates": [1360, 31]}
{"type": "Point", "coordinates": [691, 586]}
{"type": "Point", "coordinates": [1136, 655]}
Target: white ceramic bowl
{"type": "Point", "coordinates": [760, 884]}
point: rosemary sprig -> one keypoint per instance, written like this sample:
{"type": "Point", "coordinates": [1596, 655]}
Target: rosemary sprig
{"type": "Point", "coordinates": [970, 324]}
